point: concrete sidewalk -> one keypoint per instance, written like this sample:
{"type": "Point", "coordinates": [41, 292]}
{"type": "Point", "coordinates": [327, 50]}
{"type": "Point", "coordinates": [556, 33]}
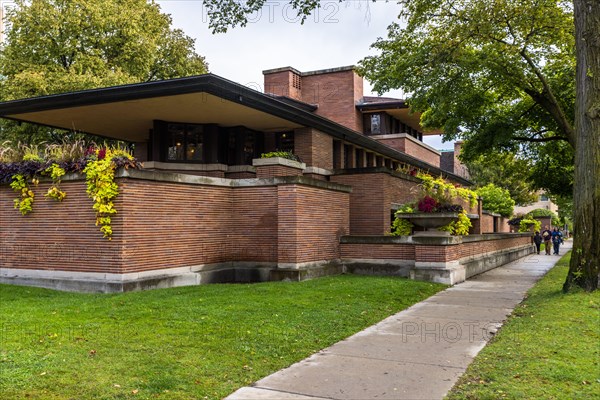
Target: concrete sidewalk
{"type": "Point", "coordinates": [418, 353]}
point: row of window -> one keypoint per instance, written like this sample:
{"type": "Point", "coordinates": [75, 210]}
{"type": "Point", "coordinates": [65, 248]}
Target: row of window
{"type": "Point", "coordinates": [384, 124]}
{"type": "Point", "coordinates": [197, 143]}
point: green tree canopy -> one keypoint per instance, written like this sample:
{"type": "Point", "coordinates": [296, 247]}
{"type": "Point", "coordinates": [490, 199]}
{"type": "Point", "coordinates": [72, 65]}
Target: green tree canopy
{"type": "Point", "coordinates": [504, 170]}
{"type": "Point", "coordinates": [496, 199]}
{"type": "Point", "coordinates": [499, 71]}
{"type": "Point", "coordinates": [55, 46]}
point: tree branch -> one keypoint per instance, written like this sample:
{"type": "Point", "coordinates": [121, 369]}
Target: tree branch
{"type": "Point", "coordinates": [548, 101]}
{"type": "Point", "coordinates": [539, 140]}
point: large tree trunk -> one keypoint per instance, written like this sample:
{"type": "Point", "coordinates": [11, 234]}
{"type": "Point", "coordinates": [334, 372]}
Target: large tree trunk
{"type": "Point", "coordinates": [585, 260]}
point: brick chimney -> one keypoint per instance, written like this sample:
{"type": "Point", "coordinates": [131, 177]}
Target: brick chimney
{"type": "Point", "coordinates": [335, 91]}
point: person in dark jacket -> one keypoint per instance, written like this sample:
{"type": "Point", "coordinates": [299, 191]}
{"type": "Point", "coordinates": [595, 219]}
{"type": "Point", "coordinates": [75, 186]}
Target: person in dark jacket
{"type": "Point", "coordinates": [547, 236]}
{"type": "Point", "coordinates": [537, 239]}
{"type": "Point", "coordinates": [556, 240]}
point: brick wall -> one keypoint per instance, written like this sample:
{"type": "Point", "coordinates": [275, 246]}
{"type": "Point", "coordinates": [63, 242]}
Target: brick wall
{"type": "Point", "coordinates": [487, 223]}
{"type": "Point", "coordinates": [270, 171]}
{"type": "Point", "coordinates": [253, 236]}
{"type": "Point", "coordinates": [174, 225]}
{"type": "Point", "coordinates": [442, 253]}
{"type": "Point", "coordinates": [168, 225]}
{"type": "Point", "coordinates": [310, 223]}
{"type": "Point", "coordinates": [58, 236]}
{"type": "Point", "coordinates": [411, 146]}
{"type": "Point", "coordinates": [280, 84]}
{"type": "Point", "coordinates": [378, 251]}
{"type": "Point", "coordinates": [336, 94]}
{"type": "Point", "coordinates": [371, 199]}
{"type": "Point", "coordinates": [314, 148]}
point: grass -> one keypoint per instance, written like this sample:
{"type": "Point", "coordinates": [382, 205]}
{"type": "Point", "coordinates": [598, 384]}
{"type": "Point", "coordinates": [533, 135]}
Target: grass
{"type": "Point", "coordinates": [548, 349]}
{"type": "Point", "coordinates": [199, 342]}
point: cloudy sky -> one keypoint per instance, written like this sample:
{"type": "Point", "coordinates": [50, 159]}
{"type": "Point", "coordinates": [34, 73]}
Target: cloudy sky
{"type": "Point", "coordinates": [338, 34]}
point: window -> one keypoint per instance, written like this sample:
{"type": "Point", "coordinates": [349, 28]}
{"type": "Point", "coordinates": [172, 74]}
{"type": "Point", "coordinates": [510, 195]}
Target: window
{"type": "Point", "coordinates": [544, 197]}
{"type": "Point", "coordinates": [185, 142]}
{"type": "Point", "coordinates": [375, 124]}
{"type": "Point", "coordinates": [285, 141]}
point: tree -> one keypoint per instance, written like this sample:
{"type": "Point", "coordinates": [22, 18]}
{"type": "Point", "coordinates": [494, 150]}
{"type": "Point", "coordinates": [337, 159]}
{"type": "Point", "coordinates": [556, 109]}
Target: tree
{"type": "Point", "coordinates": [496, 199]}
{"type": "Point", "coordinates": [500, 74]}
{"type": "Point", "coordinates": [55, 46]}
{"type": "Point", "coordinates": [504, 170]}
{"type": "Point", "coordinates": [584, 270]}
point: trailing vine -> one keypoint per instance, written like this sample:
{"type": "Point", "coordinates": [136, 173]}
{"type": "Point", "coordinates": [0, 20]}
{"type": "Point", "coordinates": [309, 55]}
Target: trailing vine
{"type": "Point", "coordinates": [401, 226]}
{"type": "Point", "coordinates": [21, 165]}
{"type": "Point", "coordinates": [25, 201]}
{"type": "Point", "coordinates": [54, 192]}
{"type": "Point", "coordinates": [101, 186]}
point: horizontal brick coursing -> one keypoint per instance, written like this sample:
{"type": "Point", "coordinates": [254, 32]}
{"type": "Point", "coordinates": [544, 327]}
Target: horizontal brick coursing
{"type": "Point", "coordinates": [378, 251]}
{"type": "Point", "coordinates": [270, 171]}
{"type": "Point", "coordinates": [168, 225]}
{"type": "Point", "coordinates": [58, 236]}
{"type": "Point", "coordinates": [371, 200]}
{"type": "Point", "coordinates": [429, 253]}
{"type": "Point", "coordinates": [314, 148]}
{"type": "Point", "coordinates": [408, 146]}
{"type": "Point", "coordinates": [310, 223]}
{"type": "Point", "coordinates": [487, 223]}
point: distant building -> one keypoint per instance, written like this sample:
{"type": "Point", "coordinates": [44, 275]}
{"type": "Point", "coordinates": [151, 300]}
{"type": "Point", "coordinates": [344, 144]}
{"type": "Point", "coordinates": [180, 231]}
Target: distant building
{"type": "Point", "coordinates": [450, 162]}
{"type": "Point", "coordinates": [543, 202]}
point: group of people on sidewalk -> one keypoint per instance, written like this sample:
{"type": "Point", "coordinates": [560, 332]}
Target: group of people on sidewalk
{"type": "Point", "coordinates": [548, 236]}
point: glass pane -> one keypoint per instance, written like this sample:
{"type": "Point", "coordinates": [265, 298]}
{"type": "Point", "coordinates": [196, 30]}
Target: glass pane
{"type": "Point", "coordinates": [175, 142]}
{"type": "Point", "coordinates": [249, 148]}
{"type": "Point", "coordinates": [194, 143]}
{"type": "Point", "coordinates": [375, 123]}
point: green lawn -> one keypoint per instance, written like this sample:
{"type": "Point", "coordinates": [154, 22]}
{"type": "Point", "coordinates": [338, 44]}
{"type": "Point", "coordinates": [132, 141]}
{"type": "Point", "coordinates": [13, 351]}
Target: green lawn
{"type": "Point", "coordinates": [184, 343]}
{"type": "Point", "coordinates": [548, 349]}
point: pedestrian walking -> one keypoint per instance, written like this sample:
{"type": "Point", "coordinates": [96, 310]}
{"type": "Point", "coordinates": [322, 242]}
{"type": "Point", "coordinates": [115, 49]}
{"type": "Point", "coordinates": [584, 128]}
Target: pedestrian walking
{"type": "Point", "coordinates": [556, 240]}
{"type": "Point", "coordinates": [537, 239]}
{"type": "Point", "coordinates": [547, 236]}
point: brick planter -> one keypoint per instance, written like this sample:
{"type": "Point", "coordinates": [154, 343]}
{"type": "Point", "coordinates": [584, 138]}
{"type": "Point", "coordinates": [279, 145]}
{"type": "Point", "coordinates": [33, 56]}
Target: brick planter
{"type": "Point", "coordinates": [277, 166]}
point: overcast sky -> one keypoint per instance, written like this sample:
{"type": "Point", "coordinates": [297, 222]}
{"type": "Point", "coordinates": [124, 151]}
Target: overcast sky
{"type": "Point", "coordinates": [338, 34]}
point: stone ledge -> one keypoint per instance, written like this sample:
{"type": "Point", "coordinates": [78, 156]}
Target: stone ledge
{"type": "Point", "coordinates": [273, 161]}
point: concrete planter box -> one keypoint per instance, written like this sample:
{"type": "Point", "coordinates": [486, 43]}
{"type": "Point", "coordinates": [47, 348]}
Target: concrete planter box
{"type": "Point", "coordinates": [430, 221]}
{"type": "Point", "coordinates": [277, 166]}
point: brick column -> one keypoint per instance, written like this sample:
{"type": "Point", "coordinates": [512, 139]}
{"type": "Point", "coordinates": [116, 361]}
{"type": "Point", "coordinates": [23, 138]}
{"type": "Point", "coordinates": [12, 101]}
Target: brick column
{"type": "Point", "coordinates": [314, 148]}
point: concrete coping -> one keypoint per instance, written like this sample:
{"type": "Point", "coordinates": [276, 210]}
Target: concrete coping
{"type": "Point", "coordinates": [493, 214]}
{"type": "Point", "coordinates": [317, 171]}
{"type": "Point", "coordinates": [241, 168]}
{"type": "Point", "coordinates": [376, 170]}
{"type": "Point", "coordinates": [171, 177]}
{"type": "Point", "coordinates": [430, 240]}
{"type": "Point", "coordinates": [172, 166]}
{"type": "Point", "coordinates": [262, 162]}
{"type": "Point", "coordinates": [409, 137]}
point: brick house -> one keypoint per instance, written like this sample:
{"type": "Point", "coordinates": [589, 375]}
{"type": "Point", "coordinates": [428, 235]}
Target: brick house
{"type": "Point", "coordinates": [206, 208]}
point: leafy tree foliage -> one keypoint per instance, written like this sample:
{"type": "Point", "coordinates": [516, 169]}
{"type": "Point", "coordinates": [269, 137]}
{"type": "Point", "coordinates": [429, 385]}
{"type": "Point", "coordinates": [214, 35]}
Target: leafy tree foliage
{"type": "Point", "coordinates": [499, 71]}
{"type": "Point", "coordinates": [56, 46]}
{"type": "Point", "coordinates": [504, 170]}
{"type": "Point", "coordinates": [496, 199]}
{"type": "Point", "coordinates": [542, 212]}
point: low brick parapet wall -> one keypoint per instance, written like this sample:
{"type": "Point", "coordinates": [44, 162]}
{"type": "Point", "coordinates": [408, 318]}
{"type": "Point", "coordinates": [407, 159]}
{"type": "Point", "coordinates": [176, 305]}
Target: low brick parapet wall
{"type": "Point", "coordinates": [449, 259]}
{"type": "Point", "coordinates": [170, 224]}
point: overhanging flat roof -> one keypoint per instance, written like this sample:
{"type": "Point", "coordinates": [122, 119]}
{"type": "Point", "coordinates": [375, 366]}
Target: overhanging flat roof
{"type": "Point", "coordinates": [400, 110]}
{"type": "Point", "coordinates": [127, 112]}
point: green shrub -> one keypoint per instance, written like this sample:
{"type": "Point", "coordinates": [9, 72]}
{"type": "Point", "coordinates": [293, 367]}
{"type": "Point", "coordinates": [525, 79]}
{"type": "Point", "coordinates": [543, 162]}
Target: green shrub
{"type": "Point", "coordinates": [281, 154]}
{"type": "Point", "coordinates": [496, 199]}
{"type": "Point", "coordinates": [526, 224]}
